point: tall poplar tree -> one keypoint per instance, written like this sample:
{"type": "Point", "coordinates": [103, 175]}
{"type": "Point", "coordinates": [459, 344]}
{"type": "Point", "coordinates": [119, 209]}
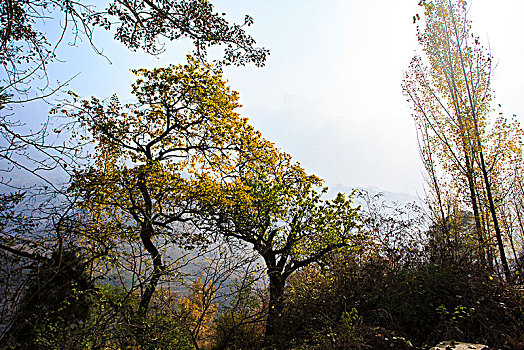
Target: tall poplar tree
{"type": "Point", "coordinates": [451, 95]}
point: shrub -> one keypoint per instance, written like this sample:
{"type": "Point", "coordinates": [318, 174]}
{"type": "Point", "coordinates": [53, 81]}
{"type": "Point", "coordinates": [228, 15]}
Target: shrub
{"type": "Point", "coordinates": [421, 305]}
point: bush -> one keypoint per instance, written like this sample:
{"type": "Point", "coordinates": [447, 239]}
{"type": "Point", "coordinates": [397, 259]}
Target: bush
{"type": "Point", "coordinates": [418, 306]}
{"type": "Point", "coordinates": [116, 324]}
{"type": "Point", "coordinates": [56, 302]}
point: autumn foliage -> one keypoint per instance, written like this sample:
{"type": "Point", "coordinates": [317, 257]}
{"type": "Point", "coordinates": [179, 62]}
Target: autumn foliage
{"type": "Point", "coordinates": [179, 226]}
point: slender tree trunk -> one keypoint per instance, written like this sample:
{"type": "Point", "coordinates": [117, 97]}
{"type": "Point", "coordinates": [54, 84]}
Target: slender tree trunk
{"type": "Point", "coordinates": [472, 97]}
{"type": "Point", "coordinates": [141, 333]}
{"type": "Point", "coordinates": [476, 212]}
{"type": "Point", "coordinates": [145, 235]}
{"type": "Point", "coordinates": [430, 167]}
{"type": "Point", "coordinates": [512, 244]}
{"type": "Point", "coordinates": [496, 226]}
{"type": "Point", "coordinates": [488, 246]}
{"type": "Point", "coordinates": [521, 226]}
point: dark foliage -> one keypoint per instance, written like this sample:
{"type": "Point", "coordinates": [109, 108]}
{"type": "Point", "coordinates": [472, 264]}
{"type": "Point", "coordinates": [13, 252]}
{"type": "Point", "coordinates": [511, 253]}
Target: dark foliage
{"type": "Point", "coordinates": [355, 305]}
{"type": "Point", "coordinates": [57, 297]}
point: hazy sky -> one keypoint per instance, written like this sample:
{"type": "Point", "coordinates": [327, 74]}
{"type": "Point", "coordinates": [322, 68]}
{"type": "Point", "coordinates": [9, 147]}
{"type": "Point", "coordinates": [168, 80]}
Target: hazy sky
{"type": "Point", "coordinates": [330, 93]}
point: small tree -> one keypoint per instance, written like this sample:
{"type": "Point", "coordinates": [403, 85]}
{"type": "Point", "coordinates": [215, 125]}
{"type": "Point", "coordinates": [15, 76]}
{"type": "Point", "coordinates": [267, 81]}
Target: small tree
{"type": "Point", "coordinates": [276, 208]}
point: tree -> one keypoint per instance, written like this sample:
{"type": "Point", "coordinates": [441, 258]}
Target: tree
{"type": "Point", "coordinates": [276, 208]}
{"type": "Point", "coordinates": [32, 30]}
{"type": "Point", "coordinates": [451, 95]}
{"type": "Point", "coordinates": [26, 50]}
{"type": "Point", "coordinates": [149, 155]}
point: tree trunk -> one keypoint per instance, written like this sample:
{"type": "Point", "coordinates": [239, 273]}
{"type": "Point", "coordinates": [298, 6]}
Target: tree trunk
{"type": "Point", "coordinates": [476, 212]}
{"type": "Point", "coordinates": [146, 233]}
{"type": "Point", "coordinates": [276, 305]}
{"type": "Point", "coordinates": [473, 105]}
{"type": "Point", "coordinates": [141, 334]}
{"type": "Point", "coordinates": [498, 233]}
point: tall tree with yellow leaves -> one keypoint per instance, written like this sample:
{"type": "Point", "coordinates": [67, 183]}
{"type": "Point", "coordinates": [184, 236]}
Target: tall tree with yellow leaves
{"type": "Point", "coordinates": [450, 92]}
{"type": "Point", "coordinates": [149, 155]}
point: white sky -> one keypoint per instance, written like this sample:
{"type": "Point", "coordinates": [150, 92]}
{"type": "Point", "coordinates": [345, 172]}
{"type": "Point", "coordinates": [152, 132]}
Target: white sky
{"type": "Point", "coordinates": [330, 93]}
